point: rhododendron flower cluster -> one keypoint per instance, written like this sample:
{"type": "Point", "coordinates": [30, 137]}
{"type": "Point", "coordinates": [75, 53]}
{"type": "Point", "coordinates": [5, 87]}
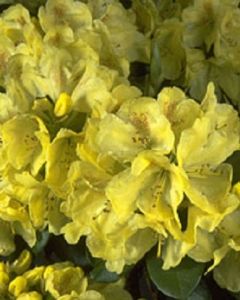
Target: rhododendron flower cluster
{"type": "Point", "coordinates": [85, 154]}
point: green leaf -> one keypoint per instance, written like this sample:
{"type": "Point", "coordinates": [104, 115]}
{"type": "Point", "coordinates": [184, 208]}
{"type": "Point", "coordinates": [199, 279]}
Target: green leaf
{"type": "Point", "coordinates": [101, 274]}
{"type": "Point", "coordinates": [227, 273]}
{"type": "Point", "coordinates": [178, 282]}
{"type": "Point", "coordinates": [200, 293]}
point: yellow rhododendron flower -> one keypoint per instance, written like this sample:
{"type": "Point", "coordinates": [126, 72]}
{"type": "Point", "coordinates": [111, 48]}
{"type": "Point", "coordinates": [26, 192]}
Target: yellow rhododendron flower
{"type": "Point", "coordinates": [58, 281]}
{"type": "Point", "coordinates": [74, 14]}
{"type": "Point", "coordinates": [7, 108]}
{"type": "Point", "coordinates": [156, 190]}
{"type": "Point", "coordinates": [12, 211]}
{"type": "Point", "coordinates": [23, 81]}
{"type": "Point", "coordinates": [179, 109]}
{"type": "Point", "coordinates": [31, 136]}
{"type": "Point", "coordinates": [29, 191]}
{"type": "Point", "coordinates": [120, 243]}
{"type": "Point", "coordinates": [56, 278]}
{"type": "Point", "coordinates": [179, 243]}
{"type": "Point", "coordinates": [86, 199]}
{"type": "Point", "coordinates": [137, 126]}
{"type": "Point", "coordinates": [218, 126]}
{"type": "Point", "coordinates": [13, 21]}
{"type": "Point", "coordinates": [200, 152]}
{"type": "Point", "coordinates": [84, 154]}
{"type": "Point", "coordinates": [126, 41]}
{"type": "Point", "coordinates": [60, 154]}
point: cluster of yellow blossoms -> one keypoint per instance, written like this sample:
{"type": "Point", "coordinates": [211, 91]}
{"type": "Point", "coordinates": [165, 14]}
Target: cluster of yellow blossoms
{"type": "Point", "coordinates": [56, 71]}
{"type": "Point", "coordinates": [83, 153]}
{"type": "Point", "coordinates": [61, 281]}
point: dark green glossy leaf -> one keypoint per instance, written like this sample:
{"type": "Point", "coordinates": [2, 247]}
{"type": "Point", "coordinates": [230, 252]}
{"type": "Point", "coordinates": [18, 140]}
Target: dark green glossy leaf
{"type": "Point", "coordinates": [178, 282]}
{"type": "Point", "coordinates": [101, 274]}
{"type": "Point", "coordinates": [200, 293]}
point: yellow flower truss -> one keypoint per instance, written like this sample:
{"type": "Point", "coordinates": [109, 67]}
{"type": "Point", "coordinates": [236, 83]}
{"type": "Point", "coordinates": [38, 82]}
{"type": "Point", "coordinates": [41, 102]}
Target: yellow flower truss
{"type": "Point", "coordinates": [84, 153]}
{"type": "Point", "coordinates": [171, 160]}
{"type": "Point", "coordinates": [61, 281]}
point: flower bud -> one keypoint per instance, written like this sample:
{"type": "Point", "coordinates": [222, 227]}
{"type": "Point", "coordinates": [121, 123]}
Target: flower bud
{"type": "Point", "coordinates": [18, 286]}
